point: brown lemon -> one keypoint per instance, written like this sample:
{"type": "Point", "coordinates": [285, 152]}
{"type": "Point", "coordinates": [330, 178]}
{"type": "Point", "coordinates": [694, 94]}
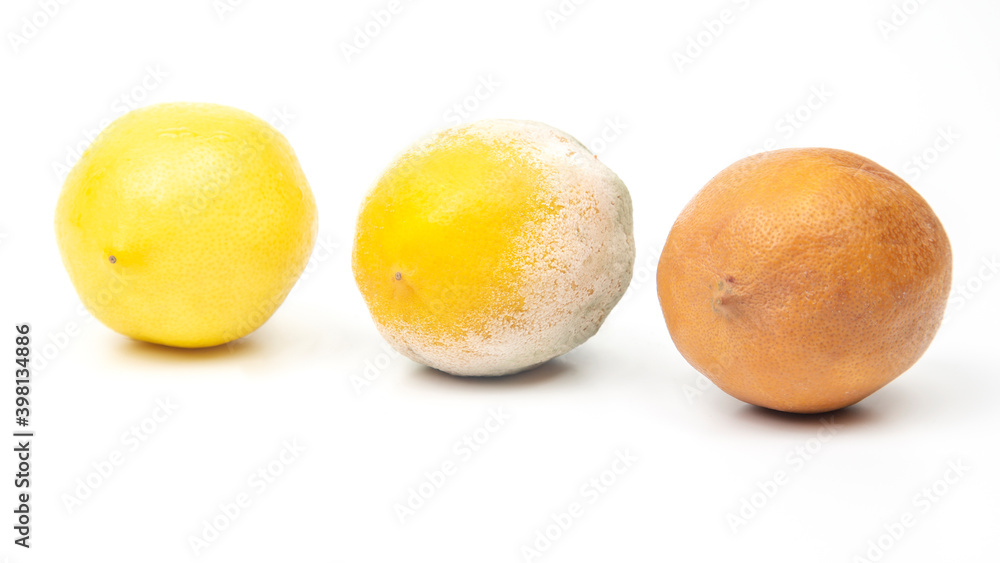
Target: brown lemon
{"type": "Point", "coordinates": [803, 280]}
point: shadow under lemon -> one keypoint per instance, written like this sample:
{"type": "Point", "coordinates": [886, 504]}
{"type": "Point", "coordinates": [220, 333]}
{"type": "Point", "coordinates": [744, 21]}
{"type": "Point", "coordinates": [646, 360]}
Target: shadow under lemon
{"type": "Point", "coordinates": [926, 394]}
{"type": "Point", "coordinates": [547, 372]}
{"type": "Point", "coordinates": [246, 347]}
{"type": "Point", "coordinates": [281, 344]}
{"type": "Point", "coordinates": [255, 355]}
{"type": "Point", "coordinates": [856, 415]}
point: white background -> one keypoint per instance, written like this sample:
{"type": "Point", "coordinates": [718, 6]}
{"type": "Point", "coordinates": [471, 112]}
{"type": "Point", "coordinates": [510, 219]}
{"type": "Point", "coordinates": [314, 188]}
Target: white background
{"type": "Point", "coordinates": [889, 95]}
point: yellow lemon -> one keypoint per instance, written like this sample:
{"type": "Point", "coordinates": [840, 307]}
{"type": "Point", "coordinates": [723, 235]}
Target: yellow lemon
{"type": "Point", "coordinates": [489, 248]}
{"type": "Point", "coordinates": [186, 224]}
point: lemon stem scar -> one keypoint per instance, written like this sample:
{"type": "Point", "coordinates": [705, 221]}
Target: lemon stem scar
{"type": "Point", "coordinates": [112, 259]}
{"type": "Point", "coordinates": [724, 299]}
{"type": "Point", "coordinates": [399, 276]}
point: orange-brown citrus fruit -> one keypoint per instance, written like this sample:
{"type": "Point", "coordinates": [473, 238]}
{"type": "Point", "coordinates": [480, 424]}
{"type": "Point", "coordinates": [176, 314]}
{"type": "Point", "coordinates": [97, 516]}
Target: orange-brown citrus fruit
{"type": "Point", "coordinates": [803, 280]}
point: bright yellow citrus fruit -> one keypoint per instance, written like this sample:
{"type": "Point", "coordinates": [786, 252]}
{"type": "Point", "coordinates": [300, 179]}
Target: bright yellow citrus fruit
{"type": "Point", "coordinates": [489, 248]}
{"type": "Point", "coordinates": [186, 224]}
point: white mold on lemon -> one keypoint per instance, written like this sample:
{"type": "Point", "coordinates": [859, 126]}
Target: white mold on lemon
{"type": "Point", "coordinates": [489, 248]}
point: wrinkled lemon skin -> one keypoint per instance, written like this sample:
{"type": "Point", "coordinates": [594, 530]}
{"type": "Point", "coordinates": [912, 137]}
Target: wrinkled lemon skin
{"type": "Point", "coordinates": [804, 280]}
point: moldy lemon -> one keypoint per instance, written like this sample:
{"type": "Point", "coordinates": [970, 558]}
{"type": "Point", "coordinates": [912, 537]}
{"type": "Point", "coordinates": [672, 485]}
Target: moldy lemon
{"type": "Point", "coordinates": [489, 248]}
